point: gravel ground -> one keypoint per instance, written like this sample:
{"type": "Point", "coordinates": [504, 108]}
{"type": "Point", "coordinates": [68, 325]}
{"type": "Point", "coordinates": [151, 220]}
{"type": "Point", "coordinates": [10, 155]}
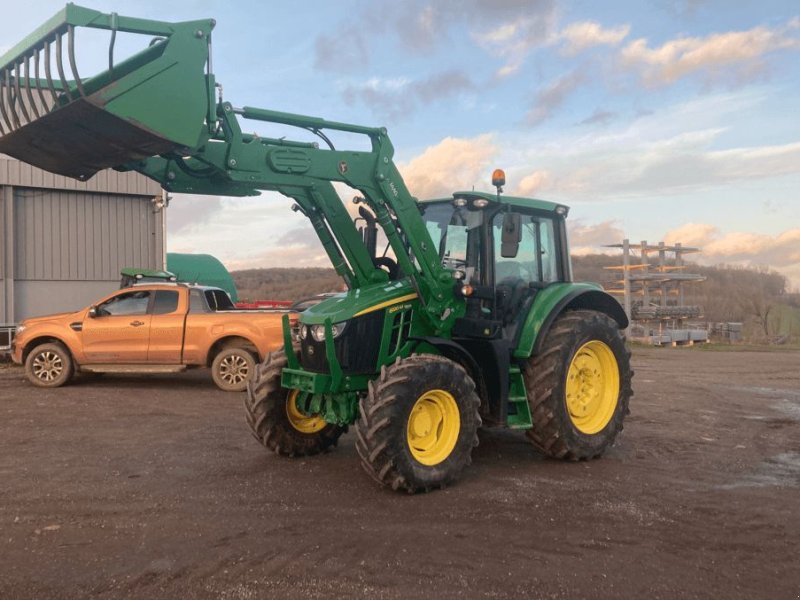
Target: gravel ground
{"type": "Point", "coordinates": [151, 487]}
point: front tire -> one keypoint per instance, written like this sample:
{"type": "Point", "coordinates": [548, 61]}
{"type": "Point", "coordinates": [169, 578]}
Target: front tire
{"type": "Point", "coordinates": [276, 421]}
{"type": "Point", "coordinates": [579, 386]}
{"type": "Point", "coordinates": [49, 365]}
{"type": "Point", "coordinates": [232, 368]}
{"type": "Point", "coordinates": [418, 424]}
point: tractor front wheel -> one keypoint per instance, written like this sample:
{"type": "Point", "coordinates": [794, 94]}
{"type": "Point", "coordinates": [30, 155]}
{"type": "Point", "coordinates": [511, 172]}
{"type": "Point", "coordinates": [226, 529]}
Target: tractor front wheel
{"type": "Point", "coordinates": [418, 424]}
{"type": "Point", "coordinates": [579, 386]}
{"type": "Point", "coordinates": [275, 419]}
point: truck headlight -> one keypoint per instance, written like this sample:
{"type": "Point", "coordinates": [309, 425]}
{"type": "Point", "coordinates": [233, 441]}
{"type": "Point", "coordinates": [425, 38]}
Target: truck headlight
{"type": "Point", "coordinates": [318, 331]}
{"type": "Point", "coordinates": [20, 329]}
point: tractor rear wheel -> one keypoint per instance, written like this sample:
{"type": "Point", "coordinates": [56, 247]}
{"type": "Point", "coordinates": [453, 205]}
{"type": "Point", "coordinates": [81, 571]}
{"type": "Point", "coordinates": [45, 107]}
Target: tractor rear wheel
{"type": "Point", "coordinates": [579, 386]}
{"type": "Point", "coordinates": [418, 424]}
{"type": "Point", "coordinates": [275, 419]}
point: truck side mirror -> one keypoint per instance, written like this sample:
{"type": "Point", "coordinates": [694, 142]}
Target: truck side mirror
{"type": "Point", "coordinates": [512, 234]}
{"type": "Point", "coordinates": [92, 312]}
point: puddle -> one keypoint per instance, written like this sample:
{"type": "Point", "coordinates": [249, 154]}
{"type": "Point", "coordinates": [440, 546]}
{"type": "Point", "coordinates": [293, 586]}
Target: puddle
{"type": "Point", "coordinates": [781, 470]}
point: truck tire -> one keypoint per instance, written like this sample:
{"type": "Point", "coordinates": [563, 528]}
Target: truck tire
{"type": "Point", "coordinates": [49, 365]}
{"type": "Point", "coordinates": [579, 386]}
{"type": "Point", "coordinates": [418, 424]}
{"type": "Point", "coordinates": [232, 367]}
{"type": "Point", "coordinates": [274, 419]}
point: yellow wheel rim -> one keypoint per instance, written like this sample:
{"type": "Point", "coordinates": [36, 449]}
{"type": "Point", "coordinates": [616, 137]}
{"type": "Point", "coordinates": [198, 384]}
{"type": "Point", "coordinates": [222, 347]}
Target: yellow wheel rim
{"type": "Point", "coordinates": [592, 387]}
{"type": "Point", "coordinates": [300, 421]}
{"type": "Point", "coordinates": [433, 427]}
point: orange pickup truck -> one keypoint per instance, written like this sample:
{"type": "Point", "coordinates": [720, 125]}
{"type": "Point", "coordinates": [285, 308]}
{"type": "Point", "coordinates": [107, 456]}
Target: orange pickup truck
{"type": "Point", "coordinates": [150, 328]}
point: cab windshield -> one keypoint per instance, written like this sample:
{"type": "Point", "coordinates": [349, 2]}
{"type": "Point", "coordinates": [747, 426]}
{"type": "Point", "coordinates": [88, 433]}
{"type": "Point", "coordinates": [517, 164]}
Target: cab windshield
{"type": "Point", "coordinates": [456, 232]}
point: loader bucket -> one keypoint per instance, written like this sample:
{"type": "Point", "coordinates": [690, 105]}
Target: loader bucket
{"type": "Point", "coordinates": [157, 101]}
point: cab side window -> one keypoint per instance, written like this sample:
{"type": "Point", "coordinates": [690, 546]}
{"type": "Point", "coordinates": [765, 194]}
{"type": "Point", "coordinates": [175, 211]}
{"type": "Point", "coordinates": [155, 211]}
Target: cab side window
{"type": "Point", "coordinates": [165, 302]}
{"type": "Point", "coordinates": [536, 260]}
{"type": "Point", "coordinates": [129, 303]}
{"type": "Point", "coordinates": [197, 303]}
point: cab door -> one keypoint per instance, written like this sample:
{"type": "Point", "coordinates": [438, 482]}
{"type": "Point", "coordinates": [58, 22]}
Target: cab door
{"type": "Point", "coordinates": [166, 328]}
{"type": "Point", "coordinates": [118, 329]}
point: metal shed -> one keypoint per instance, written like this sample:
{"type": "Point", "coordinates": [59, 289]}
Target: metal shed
{"type": "Point", "coordinates": [63, 242]}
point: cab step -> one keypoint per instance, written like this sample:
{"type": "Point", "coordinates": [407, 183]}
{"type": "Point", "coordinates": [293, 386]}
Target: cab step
{"type": "Point", "coordinates": [518, 399]}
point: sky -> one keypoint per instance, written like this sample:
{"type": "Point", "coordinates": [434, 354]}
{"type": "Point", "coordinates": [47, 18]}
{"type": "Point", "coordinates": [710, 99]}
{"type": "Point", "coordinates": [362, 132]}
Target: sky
{"type": "Point", "coordinates": [653, 120]}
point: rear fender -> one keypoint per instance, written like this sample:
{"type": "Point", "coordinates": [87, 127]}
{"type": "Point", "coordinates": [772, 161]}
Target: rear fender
{"type": "Point", "coordinates": [554, 300]}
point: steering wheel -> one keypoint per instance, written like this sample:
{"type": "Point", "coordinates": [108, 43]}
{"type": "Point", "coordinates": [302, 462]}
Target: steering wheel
{"type": "Point", "coordinates": [389, 265]}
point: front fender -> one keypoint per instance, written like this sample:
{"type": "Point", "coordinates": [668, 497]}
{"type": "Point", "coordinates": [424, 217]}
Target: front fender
{"type": "Point", "coordinates": [555, 299]}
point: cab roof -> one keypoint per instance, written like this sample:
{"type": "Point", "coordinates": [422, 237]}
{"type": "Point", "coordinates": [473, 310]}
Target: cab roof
{"type": "Point", "coordinates": [510, 200]}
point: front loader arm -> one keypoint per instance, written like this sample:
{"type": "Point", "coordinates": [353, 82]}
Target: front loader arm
{"type": "Point", "coordinates": [155, 113]}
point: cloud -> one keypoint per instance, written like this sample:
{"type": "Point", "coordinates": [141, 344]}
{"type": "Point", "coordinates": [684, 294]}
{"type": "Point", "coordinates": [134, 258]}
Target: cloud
{"type": "Point", "coordinates": [599, 117]}
{"type": "Point", "coordinates": [671, 152]}
{"type": "Point", "coordinates": [582, 234]}
{"type": "Point", "coordinates": [420, 26]}
{"type": "Point", "coordinates": [394, 98]}
{"type": "Point", "coordinates": [713, 55]}
{"type": "Point", "coordinates": [187, 211]}
{"type": "Point", "coordinates": [780, 252]}
{"type": "Point", "coordinates": [344, 52]}
{"type": "Point", "coordinates": [452, 164]}
{"type": "Point", "coordinates": [531, 184]}
{"type": "Point", "coordinates": [585, 34]}
{"type": "Point", "coordinates": [552, 96]}
{"type": "Point", "coordinates": [515, 40]}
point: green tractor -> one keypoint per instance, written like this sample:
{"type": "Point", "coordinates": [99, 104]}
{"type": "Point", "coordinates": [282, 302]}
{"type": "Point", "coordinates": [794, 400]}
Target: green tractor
{"type": "Point", "coordinates": [469, 317]}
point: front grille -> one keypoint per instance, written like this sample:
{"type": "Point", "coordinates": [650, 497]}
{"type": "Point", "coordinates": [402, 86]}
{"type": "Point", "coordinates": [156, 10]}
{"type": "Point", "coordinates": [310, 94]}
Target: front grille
{"type": "Point", "coordinates": [356, 348]}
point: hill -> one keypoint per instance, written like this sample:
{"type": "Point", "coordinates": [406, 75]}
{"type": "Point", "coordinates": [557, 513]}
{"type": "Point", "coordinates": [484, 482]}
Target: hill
{"type": "Point", "coordinates": [756, 297]}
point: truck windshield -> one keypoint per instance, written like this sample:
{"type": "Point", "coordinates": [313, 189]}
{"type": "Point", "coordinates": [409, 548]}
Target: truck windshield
{"type": "Point", "coordinates": [455, 231]}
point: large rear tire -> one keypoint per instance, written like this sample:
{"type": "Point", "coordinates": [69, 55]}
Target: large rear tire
{"type": "Point", "coordinates": [418, 424]}
{"type": "Point", "coordinates": [49, 365]}
{"type": "Point", "coordinates": [276, 421]}
{"type": "Point", "coordinates": [579, 386]}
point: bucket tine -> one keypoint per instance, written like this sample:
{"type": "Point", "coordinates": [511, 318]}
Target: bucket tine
{"type": "Point", "coordinates": [3, 85]}
{"type": "Point", "coordinates": [71, 53]}
{"type": "Point", "coordinates": [36, 58]}
{"type": "Point", "coordinates": [13, 123]}
{"type": "Point", "coordinates": [47, 61]}
{"type": "Point", "coordinates": [60, 67]}
{"type": "Point", "coordinates": [28, 92]}
{"type": "Point", "coordinates": [18, 99]}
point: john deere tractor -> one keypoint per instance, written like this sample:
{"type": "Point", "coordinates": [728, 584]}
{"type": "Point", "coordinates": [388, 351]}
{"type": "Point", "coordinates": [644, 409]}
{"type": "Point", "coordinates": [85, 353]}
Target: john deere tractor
{"type": "Point", "coordinates": [467, 318]}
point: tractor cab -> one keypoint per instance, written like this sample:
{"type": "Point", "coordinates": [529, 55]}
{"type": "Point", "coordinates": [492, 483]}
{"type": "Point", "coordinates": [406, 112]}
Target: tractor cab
{"type": "Point", "coordinates": [503, 250]}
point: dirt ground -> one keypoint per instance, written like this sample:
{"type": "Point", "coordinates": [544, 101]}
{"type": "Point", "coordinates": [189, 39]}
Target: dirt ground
{"type": "Point", "coordinates": [151, 487]}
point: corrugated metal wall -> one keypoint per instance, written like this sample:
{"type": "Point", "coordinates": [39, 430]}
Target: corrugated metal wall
{"type": "Point", "coordinates": [63, 242]}
{"type": "Point", "coordinates": [83, 236]}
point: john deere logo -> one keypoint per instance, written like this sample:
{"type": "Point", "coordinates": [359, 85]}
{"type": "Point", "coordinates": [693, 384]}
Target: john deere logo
{"type": "Point", "coordinates": [342, 167]}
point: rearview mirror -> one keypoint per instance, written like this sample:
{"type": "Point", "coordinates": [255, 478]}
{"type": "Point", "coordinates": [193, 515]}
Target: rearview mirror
{"type": "Point", "coordinates": [512, 234]}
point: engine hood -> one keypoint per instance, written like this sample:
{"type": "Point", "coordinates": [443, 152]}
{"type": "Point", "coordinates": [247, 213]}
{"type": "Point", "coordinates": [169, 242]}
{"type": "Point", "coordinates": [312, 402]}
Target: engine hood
{"type": "Point", "coordinates": [361, 301]}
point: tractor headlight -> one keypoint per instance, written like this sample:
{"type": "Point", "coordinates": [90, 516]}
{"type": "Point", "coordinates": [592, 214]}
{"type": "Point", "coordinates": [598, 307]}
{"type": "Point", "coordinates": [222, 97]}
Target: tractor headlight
{"type": "Point", "coordinates": [318, 331]}
{"type": "Point", "coordinates": [303, 332]}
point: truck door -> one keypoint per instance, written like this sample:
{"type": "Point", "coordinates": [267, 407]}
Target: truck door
{"type": "Point", "coordinates": [120, 330]}
{"type": "Point", "coordinates": [166, 328]}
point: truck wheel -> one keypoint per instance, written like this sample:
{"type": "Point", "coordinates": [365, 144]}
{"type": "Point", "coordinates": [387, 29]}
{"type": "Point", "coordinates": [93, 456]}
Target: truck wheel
{"type": "Point", "coordinates": [579, 386]}
{"type": "Point", "coordinates": [231, 369]}
{"type": "Point", "coordinates": [418, 424]}
{"type": "Point", "coordinates": [49, 365]}
{"type": "Point", "coordinates": [276, 421]}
